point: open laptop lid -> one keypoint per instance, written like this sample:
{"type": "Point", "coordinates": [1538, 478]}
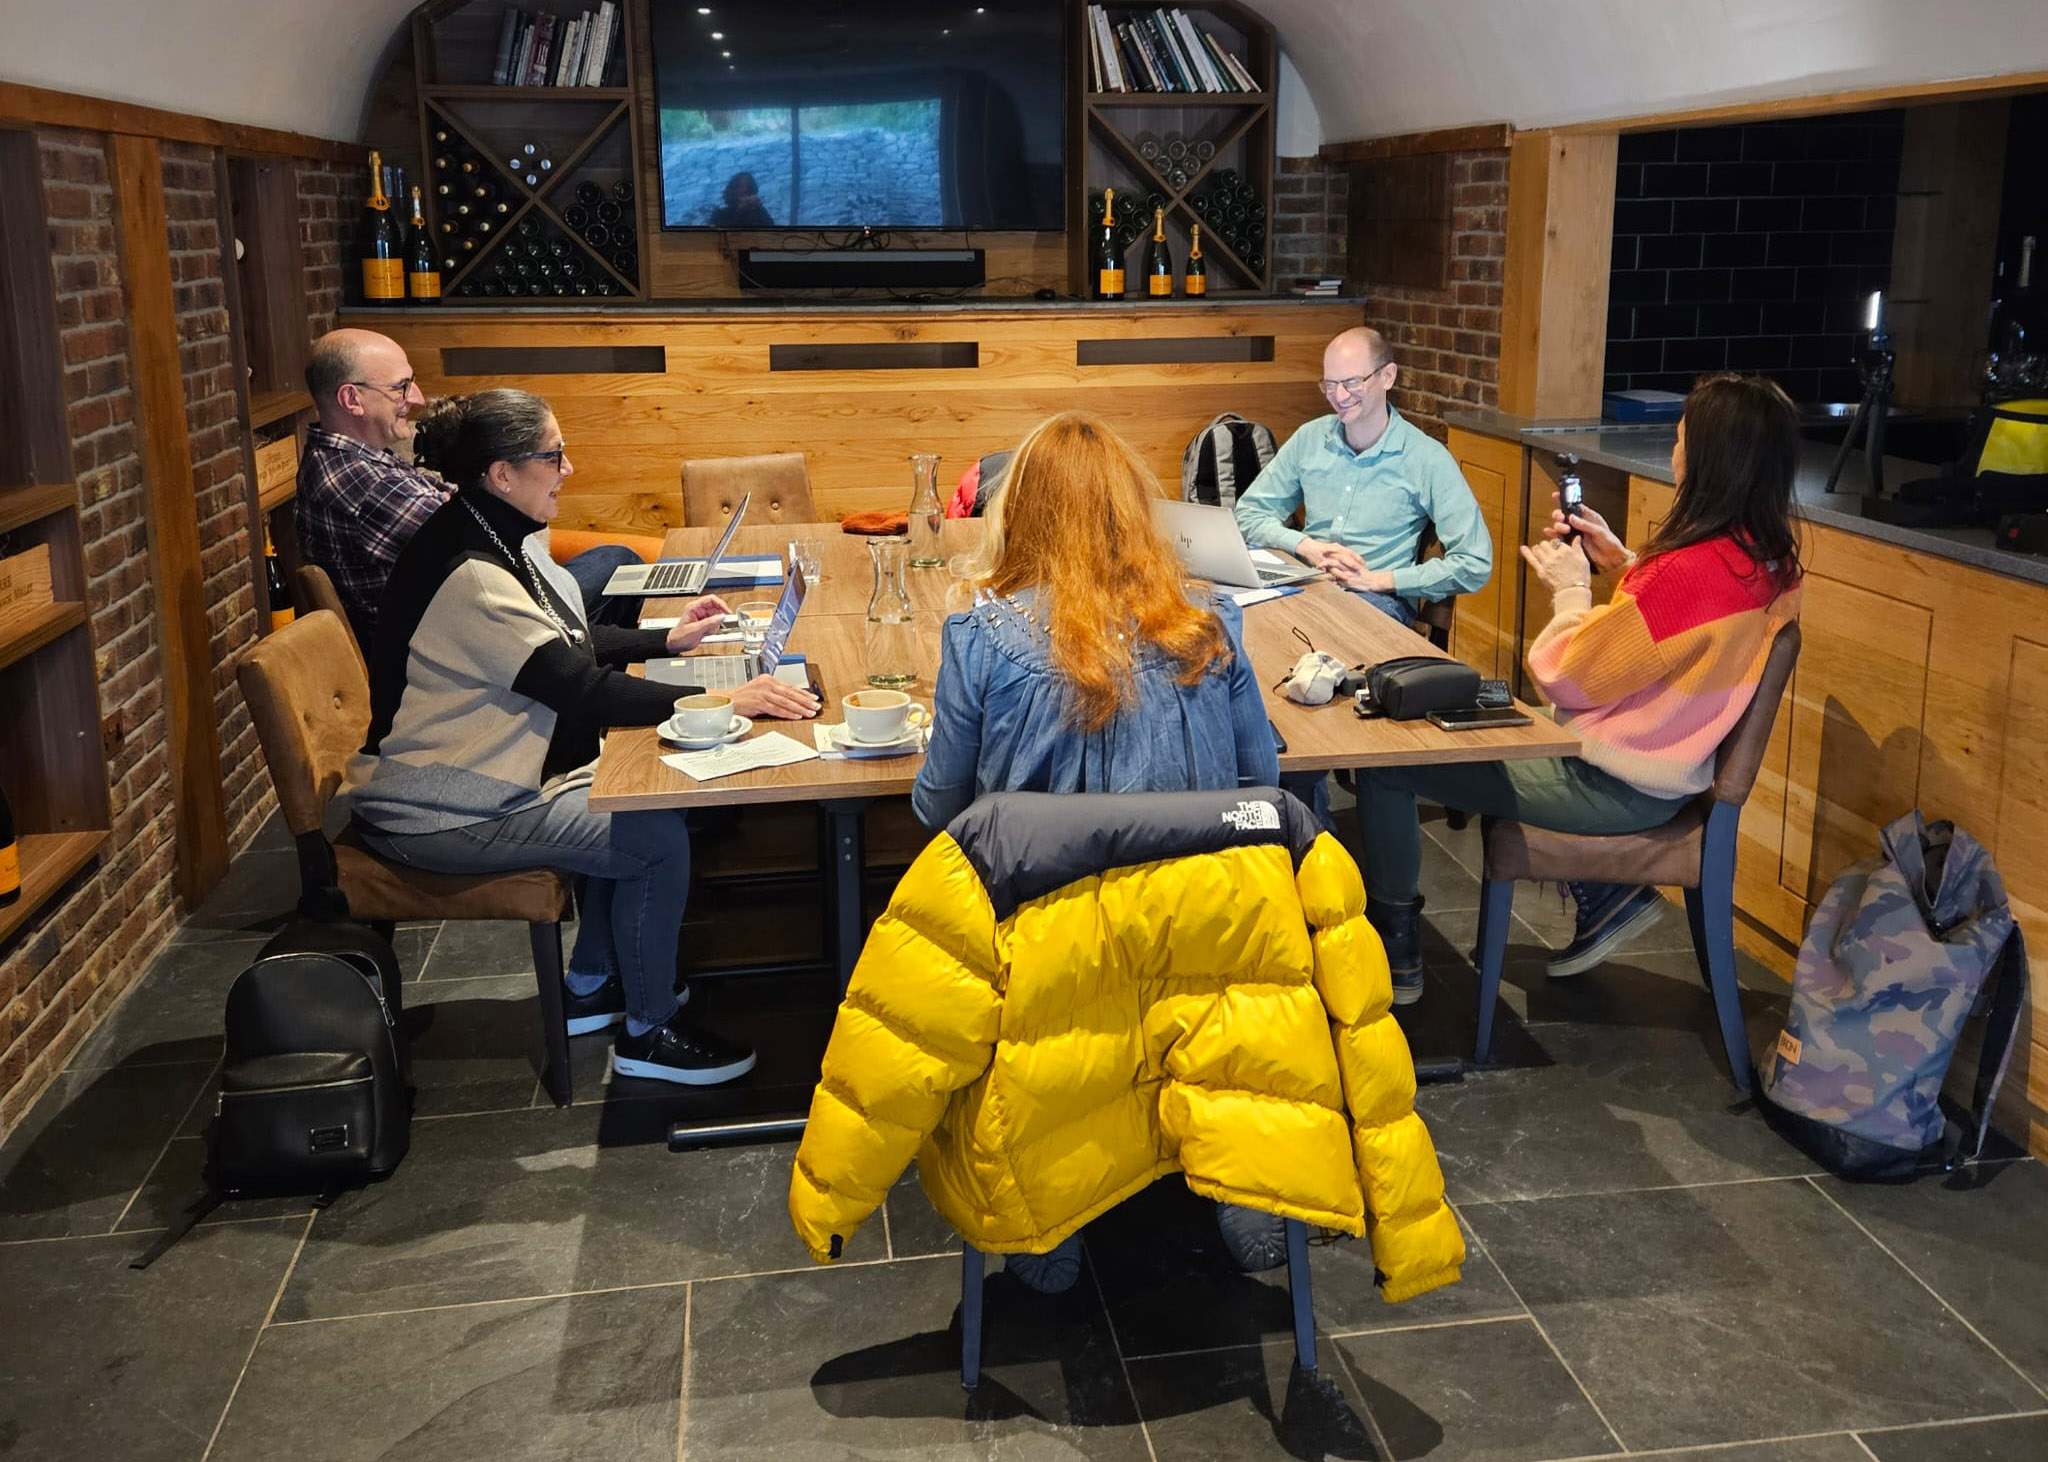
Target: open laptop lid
{"type": "Point", "coordinates": [786, 610]}
{"type": "Point", "coordinates": [1209, 543]}
{"type": "Point", "coordinates": [725, 538]}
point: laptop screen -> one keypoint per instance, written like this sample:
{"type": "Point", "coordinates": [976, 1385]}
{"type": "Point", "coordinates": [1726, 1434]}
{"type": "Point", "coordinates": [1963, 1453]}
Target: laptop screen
{"type": "Point", "coordinates": [725, 538]}
{"type": "Point", "coordinates": [784, 621]}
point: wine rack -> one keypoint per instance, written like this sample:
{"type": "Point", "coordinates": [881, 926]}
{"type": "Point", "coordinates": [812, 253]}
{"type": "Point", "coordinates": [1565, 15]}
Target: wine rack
{"type": "Point", "coordinates": [529, 190]}
{"type": "Point", "coordinates": [1203, 157]}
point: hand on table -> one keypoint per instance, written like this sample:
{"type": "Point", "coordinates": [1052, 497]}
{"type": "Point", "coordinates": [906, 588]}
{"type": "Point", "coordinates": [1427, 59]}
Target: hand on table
{"type": "Point", "coordinates": [1559, 564]}
{"type": "Point", "coordinates": [764, 695]}
{"type": "Point", "coordinates": [1603, 549]}
{"type": "Point", "coordinates": [695, 622]}
{"type": "Point", "coordinates": [1374, 581]}
{"type": "Point", "coordinates": [1331, 558]}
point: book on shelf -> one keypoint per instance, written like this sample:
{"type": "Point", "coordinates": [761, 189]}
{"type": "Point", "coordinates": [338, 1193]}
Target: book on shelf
{"type": "Point", "coordinates": [1161, 50]}
{"type": "Point", "coordinates": [539, 48]}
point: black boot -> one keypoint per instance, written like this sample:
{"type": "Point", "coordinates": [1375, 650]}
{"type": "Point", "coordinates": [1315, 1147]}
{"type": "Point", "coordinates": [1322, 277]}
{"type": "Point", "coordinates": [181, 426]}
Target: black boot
{"type": "Point", "coordinates": [1400, 930]}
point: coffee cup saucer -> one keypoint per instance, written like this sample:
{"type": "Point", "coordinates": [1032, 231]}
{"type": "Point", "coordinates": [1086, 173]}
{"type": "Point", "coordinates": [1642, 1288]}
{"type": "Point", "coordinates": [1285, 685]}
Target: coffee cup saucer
{"type": "Point", "coordinates": [841, 737]}
{"type": "Point", "coordinates": [668, 731]}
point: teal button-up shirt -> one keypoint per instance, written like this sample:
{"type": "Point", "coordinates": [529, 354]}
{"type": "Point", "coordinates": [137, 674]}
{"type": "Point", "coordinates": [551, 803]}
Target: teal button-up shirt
{"type": "Point", "coordinates": [1375, 502]}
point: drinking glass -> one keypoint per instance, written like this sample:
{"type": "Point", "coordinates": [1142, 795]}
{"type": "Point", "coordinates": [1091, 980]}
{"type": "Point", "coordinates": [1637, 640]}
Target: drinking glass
{"type": "Point", "coordinates": [807, 557]}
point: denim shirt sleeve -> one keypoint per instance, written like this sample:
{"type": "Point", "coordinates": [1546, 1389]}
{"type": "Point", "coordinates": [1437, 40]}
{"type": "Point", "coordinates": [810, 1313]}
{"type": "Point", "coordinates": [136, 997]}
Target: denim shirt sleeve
{"type": "Point", "coordinates": [945, 783]}
{"type": "Point", "coordinates": [1258, 764]}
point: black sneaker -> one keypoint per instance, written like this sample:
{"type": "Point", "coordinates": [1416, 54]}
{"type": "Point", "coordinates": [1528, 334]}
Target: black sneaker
{"type": "Point", "coordinates": [1610, 914]}
{"type": "Point", "coordinates": [603, 1007]}
{"type": "Point", "coordinates": [679, 1052]}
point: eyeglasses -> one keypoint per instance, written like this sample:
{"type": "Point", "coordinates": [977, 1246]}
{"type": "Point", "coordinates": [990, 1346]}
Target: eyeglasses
{"type": "Point", "coordinates": [1351, 385]}
{"type": "Point", "coordinates": [555, 457]}
{"type": "Point", "coordinates": [400, 389]}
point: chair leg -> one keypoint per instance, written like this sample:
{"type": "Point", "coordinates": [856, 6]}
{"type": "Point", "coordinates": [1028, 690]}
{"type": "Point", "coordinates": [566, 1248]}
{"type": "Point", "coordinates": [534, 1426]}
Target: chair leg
{"type": "Point", "coordinates": [1714, 928]}
{"type": "Point", "coordinates": [1496, 912]}
{"type": "Point", "coordinates": [1304, 1300]}
{"type": "Point", "coordinates": [554, 1020]}
{"type": "Point", "coordinates": [1456, 820]}
{"type": "Point", "coordinates": [970, 1316]}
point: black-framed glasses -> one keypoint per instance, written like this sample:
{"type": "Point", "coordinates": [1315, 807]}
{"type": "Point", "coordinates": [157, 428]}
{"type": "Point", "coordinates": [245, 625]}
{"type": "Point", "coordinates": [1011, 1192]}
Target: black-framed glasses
{"type": "Point", "coordinates": [1351, 385]}
{"type": "Point", "coordinates": [555, 456]}
{"type": "Point", "coordinates": [400, 389]}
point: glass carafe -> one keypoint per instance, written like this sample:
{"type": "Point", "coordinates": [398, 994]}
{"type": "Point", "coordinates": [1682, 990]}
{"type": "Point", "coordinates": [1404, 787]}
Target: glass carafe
{"type": "Point", "coordinates": [927, 513]}
{"type": "Point", "coordinates": [892, 623]}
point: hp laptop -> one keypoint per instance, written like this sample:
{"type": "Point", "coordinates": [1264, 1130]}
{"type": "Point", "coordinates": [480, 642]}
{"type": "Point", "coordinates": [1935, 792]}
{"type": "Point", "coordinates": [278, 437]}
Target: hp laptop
{"type": "Point", "coordinates": [1212, 547]}
{"type": "Point", "coordinates": [676, 575]}
{"type": "Point", "coordinates": [723, 672]}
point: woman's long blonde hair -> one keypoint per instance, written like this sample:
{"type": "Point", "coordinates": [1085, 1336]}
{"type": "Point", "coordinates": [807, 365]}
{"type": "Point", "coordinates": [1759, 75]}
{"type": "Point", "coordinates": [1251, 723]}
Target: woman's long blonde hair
{"type": "Point", "coordinates": [1074, 522]}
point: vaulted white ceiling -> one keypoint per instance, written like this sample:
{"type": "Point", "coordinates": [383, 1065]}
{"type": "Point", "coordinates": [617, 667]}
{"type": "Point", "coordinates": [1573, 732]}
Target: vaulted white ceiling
{"type": "Point", "coordinates": [1370, 67]}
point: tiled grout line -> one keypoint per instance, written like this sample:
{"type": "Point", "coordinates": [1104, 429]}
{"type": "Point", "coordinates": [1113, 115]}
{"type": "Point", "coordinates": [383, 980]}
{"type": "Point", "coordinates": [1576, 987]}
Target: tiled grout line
{"type": "Point", "coordinates": [1951, 1421]}
{"type": "Point", "coordinates": [276, 1298]}
{"type": "Point", "coordinates": [1122, 1361]}
{"type": "Point", "coordinates": [683, 1386]}
{"type": "Point", "coordinates": [143, 1233]}
{"type": "Point", "coordinates": [1863, 1447]}
{"type": "Point", "coordinates": [1914, 1275]}
{"type": "Point", "coordinates": [1270, 1336]}
{"type": "Point", "coordinates": [577, 1294]}
{"type": "Point", "coordinates": [1373, 1430]}
{"type": "Point", "coordinates": [1538, 1324]}
{"type": "Point", "coordinates": [1618, 1192]}
{"type": "Point", "coordinates": [157, 1161]}
{"type": "Point", "coordinates": [888, 1239]}
{"type": "Point", "coordinates": [1693, 1449]}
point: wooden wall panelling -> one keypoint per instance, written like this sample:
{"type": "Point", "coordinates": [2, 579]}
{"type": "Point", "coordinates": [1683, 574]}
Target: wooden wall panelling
{"type": "Point", "coordinates": [1400, 216]}
{"type": "Point", "coordinates": [34, 445]}
{"type": "Point", "coordinates": [201, 814]}
{"type": "Point", "coordinates": [1560, 236]}
{"type": "Point", "coordinates": [41, 107]}
{"type": "Point", "coordinates": [1951, 176]}
{"type": "Point", "coordinates": [270, 277]}
{"type": "Point", "coordinates": [2020, 846]}
{"type": "Point", "coordinates": [1484, 633]}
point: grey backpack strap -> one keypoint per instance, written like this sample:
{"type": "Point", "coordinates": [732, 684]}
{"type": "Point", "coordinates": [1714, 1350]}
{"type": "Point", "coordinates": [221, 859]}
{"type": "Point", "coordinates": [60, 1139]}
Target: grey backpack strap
{"type": "Point", "coordinates": [2001, 1034]}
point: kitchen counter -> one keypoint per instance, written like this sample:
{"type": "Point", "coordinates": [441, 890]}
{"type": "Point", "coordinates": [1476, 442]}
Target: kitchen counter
{"type": "Point", "coordinates": [1645, 451]}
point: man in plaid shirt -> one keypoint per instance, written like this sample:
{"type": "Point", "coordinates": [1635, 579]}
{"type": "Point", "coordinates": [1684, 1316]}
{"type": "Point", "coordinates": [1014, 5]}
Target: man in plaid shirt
{"type": "Point", "coordinates": [360, 501]}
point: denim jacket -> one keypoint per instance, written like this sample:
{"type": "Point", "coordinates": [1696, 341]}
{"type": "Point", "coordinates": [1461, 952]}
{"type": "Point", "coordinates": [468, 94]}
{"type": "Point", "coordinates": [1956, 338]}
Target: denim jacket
{"type": "Point", "coordinates": [1002, 720]}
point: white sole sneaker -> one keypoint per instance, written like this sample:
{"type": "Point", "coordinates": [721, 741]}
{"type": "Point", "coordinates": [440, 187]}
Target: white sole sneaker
{"type": "Point", "coordinates": [694, 1076]}
{"type": "Point", "coordinates": [1618, 933]}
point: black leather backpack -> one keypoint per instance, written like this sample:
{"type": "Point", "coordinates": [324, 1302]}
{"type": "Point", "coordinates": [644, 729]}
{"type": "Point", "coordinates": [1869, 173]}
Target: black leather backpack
{"type": "Point", "coordinates": [313, 1084]}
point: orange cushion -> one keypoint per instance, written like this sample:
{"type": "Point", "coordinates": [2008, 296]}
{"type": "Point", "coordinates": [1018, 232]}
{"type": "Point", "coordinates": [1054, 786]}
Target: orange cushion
{"type": "Point", "coordinates": [876, 522]}
{"type": "Point", "coordinates": [566, 543]}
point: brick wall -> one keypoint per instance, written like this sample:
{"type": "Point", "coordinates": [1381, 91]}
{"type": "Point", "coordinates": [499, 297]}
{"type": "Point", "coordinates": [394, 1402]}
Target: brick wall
{"type": "Point", "coordinates": [79, 958]}
{"type": "Point", "coordinates": [1311, 201]}
{"type": "Point", "coordinates": [325, 223]}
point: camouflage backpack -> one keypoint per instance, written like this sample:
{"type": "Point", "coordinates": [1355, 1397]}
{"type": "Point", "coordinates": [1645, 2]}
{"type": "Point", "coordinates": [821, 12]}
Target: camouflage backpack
{"type": "Point", "coordinates": [1904, 948]}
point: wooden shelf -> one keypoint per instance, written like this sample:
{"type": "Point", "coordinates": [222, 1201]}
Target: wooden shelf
{"type": "Point", "coordinates": [20, 505]}
{"type": "Point", "coordinates": [277, 497]}
{"type": "Point", "coordinates": [1178, 98]}
{"type": "Point", "coordinates": [28, 635]}
{"type": "Point", "coordinates": [527, 93]}
{"type": "Point", "coordinates": [48, 860]}
{"type": "Point", "coordinates": [266, 407]}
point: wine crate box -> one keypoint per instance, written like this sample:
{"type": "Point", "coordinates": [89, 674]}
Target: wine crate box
{"type": "Point", "coordinates": [277, 468]}
{"type": "Point", "coordinates": [24, 586]}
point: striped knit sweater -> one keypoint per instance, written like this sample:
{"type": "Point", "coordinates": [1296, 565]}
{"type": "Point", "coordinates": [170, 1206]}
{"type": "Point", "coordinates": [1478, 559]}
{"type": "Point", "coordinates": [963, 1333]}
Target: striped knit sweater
{"type": "Point", "coordinates": [1652, 682]}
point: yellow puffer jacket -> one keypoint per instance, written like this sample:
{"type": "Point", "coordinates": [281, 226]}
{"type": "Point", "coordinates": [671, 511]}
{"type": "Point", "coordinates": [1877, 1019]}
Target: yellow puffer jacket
{"type": "Point", "coordinates": [1071, 996]}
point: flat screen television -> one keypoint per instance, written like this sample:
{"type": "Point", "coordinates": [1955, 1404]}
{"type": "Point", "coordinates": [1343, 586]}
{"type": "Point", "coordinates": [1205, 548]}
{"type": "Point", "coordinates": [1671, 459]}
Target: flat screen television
{"type": "Point", "coordinates": [841, 114]}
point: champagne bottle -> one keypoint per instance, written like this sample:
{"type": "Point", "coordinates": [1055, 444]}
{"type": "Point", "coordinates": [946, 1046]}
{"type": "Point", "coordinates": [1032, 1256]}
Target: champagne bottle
{"type": "Point", "coordinates": [10, 856]}
{"type": "Point", "coordinates": [1198, 271]}
{"type": "Point", "coordinates": [383, 268]}
{"type": "Point", "coordinates": [1159, 266]}
{"type": "Point", "coordinates": [281, 611]}
{"type": "Point", "coordinates": [1109, 264]}
{"type": "Point", "coordinates": [422, 274]}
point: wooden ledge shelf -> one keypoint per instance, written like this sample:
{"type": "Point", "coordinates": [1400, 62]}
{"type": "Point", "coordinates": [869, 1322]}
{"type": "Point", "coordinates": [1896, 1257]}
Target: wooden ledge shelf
{"type": "Point", "coordinates": [48, 861]}
{"type": "Point", "coordinates": [27, 635]}
{"type": "Point", "coordinates": [274, 498]}
{"type": "Point", "coordinates": [266, 407]}
{"type": "Point", "coordinates": [19, 505]}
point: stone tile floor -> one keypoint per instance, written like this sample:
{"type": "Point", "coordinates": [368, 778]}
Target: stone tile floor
{"type": "Point", "coordinates": [1652, 1272]}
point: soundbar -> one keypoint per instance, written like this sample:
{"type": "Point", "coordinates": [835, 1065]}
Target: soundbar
{"type": "Point", "coordinates": [862, 268]}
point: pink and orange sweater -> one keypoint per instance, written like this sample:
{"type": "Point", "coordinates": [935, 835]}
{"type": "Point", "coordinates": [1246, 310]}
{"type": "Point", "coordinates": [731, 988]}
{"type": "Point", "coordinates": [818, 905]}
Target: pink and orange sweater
{"type": "Point", "coordinates": [1652, 682]}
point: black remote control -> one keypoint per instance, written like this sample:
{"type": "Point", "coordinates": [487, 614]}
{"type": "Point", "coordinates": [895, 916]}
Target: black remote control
{"type": "Point", "coordinates": [1494, 695]}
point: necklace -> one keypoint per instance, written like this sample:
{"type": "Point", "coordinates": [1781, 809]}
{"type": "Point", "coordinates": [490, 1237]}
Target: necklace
{"type": "Point", "coordinates": [573, 635]}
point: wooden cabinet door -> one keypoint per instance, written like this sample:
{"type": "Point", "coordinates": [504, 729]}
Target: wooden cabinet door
{"type": "Point", "coordinates": [1483, 635]}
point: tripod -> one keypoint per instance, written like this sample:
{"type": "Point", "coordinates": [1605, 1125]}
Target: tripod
{"type": "Point", "coordinates": [1874, 362]}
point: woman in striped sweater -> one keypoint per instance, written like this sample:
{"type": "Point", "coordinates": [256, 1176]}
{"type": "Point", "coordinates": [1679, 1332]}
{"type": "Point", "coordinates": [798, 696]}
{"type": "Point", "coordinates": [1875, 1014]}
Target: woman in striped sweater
{"type": "Point", "coordinates": [1650, 682]}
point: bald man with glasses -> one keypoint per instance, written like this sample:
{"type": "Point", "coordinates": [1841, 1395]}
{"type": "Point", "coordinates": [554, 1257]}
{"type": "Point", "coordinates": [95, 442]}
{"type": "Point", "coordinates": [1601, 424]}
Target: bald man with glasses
{"type": "Point", "coordinates": [1368, 482]}
{"type": "Point", "coordinates": [360, 497]}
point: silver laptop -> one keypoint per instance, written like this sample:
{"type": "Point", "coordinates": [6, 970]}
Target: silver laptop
{"type": "Point", "coordinates": [676, 575]}
{"type": "Point", "coordinates": [724, 672]}
{"type": "Point", "coordinates": [1211, 546]}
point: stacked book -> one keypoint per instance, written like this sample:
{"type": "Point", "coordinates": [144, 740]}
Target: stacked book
{"type": "Point", "coordinates": [1160, 50]}
{"type": "Point", "coordinates": [540, 49]}
{"type": "Point", "coordinates": [1319, 288]}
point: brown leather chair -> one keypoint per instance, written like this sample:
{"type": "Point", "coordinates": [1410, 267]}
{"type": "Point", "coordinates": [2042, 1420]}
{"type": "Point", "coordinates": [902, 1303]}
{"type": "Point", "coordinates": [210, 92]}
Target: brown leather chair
{"type": "Point", "coordinates": [310, 702]}
{"type": "Point", "coordinates": [1434, 617]}
{"type": "Point", "coordinates": [312, 589]}
{"type": "Point", "coordinates": [779, 481]}
{"type": "Point", "coordinates": [1694, 851]}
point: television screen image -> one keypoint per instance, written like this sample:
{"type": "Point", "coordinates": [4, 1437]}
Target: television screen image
{"type": "Point", "coordinates": [832, 114]}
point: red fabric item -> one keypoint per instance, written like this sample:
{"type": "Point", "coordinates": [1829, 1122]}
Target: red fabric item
{"type": "Point", "coordinates": [962, 505]}
{"type": "Point", "coordinates": [876, 523]}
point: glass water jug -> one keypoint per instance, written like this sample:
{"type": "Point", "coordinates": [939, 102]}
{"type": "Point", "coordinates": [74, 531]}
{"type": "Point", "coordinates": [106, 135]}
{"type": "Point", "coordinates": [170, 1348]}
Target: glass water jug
{"type": "Point", "coordinates": [927, 513]}
{"type": "Point", "coordinates": [892, 624]}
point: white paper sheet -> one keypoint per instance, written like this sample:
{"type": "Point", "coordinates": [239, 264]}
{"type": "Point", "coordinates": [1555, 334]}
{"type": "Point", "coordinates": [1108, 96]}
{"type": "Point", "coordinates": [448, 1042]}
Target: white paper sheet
{"type": "Point", "coordinates": [771, 749]}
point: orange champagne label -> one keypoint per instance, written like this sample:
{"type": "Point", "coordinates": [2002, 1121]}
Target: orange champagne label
{"type": "Point", "coordinates": [383, 279]}
{"type": "Point", "coordinates": [424, 286]}
{"type": "Point", "coordinates": [10, 869]}
{"type": "Point", "coordinates": [1159, 284]}
{"type": "Point", "coordinates": [1112, 281]}
{"type": "Point", "coordinates": [279, 618]}
{"type": "Point", "coordinates": [1197, 284]}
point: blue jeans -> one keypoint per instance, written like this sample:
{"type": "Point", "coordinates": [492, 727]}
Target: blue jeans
{"type": "Point", "coordinates": [639, 867]}
{"type": "Point", "coordinates": [1392, 605]}
{"type": "Point", "coordinates": [592, 569]}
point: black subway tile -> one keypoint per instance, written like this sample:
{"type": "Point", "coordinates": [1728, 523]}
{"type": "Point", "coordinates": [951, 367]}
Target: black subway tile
{"type": "Point", "coordinates": [1803, 179]}
{"type": "Point", "coordinates": [1667, 322]}
{"type": "Point", "coordinates": [1612, 383]}
{"type": "Point", "coordinates": [1739, 250]}
{"type": "Point", "coordinates": [1876, 178]}
{"type": "Point", "coordinates": [1669, 251]}
{"type": "Point", "coordinates": [1621, 321]}
{"type": "Point", "coordinates": [1773, 141]}
{"type": "Point", "coordinates": [1623, 254]}
{"type": "Point", "coordinates": [1709, 144]}
{"type": "Point", "coordinates": [1696, 355]}
{"type": "Point", "coordinates": [1799, 385]}
{"type": "Point", "coordinates": [1637, 286]}
{"type": "Point", "coordinates": [1863, 249]}
{"type": "Point", "coordinates": [1798, 249]}
{"type": "Point", "coordinates": [1649, 146]}
{"type": "Point", "coordinates": [1830, 215]}
{"type": "Point", "coordinates": [1760, 353]}
{"type": "Point", "coordinates": [1839, 384]}
{"type": "Point", "coordinates": [1642, 216]}
{"type": "Point", "coordinates": [1823, 351]}
{"type": "Point", "coordinates": [1767, 215]}
{"type": "Point", "coordinates": [1731, 319]}
{"type": "Point", "coordinates": [1881, 212]}
{"type": "Point", "coordinates": [1635, 356]}
{"type": "Point", "coordinates": [1794, 317]}
{"type": "Point", "coordinates": [1739, 179]}
{"type": "Point", "coordinates": [1675, 180]}
{"type": "Point", "coordinates": [1679, 381]}
{"type": "Point", "coordinates": [1839, 142]}
{"type": "Point", "coordinates": [1699, 286]}
{"type": "Point", "coordinates": [1703, 216]}
{"type": "Point", "coordinates": [1628, 180]}
{"type": "Point", "coordinates": [1764, 284]}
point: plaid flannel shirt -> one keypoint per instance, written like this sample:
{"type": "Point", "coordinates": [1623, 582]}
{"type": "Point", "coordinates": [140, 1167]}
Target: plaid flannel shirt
{"type": "Point", "coordinates": [358, 507]}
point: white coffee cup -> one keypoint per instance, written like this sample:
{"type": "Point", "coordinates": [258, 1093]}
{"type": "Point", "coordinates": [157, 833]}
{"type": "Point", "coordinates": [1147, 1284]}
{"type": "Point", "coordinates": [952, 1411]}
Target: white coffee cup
{"type": "Point", "coordinates": [703, 717]}
{"type": "Point", "coordinates": [876, 716]}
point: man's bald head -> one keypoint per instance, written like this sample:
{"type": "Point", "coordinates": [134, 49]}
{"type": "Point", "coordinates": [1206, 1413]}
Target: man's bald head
{"type": "Point", "coordinates": [361, 384]}
{"type": "Point", "coordinates": [1357, 352]}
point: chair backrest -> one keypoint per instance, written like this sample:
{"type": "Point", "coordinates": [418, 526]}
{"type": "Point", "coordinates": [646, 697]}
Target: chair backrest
{"type": "Point", "coordinates": [310, 702]}
{"type": "Point", "coordinates": [1434, 617]}
{"type": "Point", "coordinates": [1742, 749]}
{"type": "Point", "coordinates": [312, 590]}
{"type": "Point", "coordinates": [779, 481]}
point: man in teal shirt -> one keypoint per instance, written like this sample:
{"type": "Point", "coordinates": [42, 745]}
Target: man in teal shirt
{"type": "Point", "coordinates": [1368, 482]}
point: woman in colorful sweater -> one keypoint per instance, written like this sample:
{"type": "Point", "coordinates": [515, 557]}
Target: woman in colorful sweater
{"type": "Point", "coordinates": [1650, 683]}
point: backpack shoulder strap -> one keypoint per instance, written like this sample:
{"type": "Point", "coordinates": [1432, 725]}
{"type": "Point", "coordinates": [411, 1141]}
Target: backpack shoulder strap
{"type": "Point", "coordinates": [2001, 1034]}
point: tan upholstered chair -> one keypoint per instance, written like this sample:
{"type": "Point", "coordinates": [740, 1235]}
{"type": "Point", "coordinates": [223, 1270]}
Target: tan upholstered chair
{"type": "Point", "coordinates": [312, 589]}
{"type": "Point", "coordinates": [779, 481]}
{"type": "Point", "coordinates": [310, 701]}
{"type": "Point", "coordinates": [1694, 851]}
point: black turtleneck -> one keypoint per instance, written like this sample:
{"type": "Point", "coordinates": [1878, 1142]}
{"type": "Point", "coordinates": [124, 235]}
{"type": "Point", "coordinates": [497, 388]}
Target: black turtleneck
{"type": "Point", "coordinates": [583, 683]}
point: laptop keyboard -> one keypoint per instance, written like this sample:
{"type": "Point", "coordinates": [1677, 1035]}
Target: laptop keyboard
{"type": "Point", "coordinates": [666, 576]}
{"type": "Point", "coordinates": [723, 672]}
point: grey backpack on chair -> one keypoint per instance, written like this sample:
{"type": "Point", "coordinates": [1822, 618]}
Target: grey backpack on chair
{"type": "Point", "coordinates": [1223, 459]}
{"type": "Point", "coordinates": [1904, 948]}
